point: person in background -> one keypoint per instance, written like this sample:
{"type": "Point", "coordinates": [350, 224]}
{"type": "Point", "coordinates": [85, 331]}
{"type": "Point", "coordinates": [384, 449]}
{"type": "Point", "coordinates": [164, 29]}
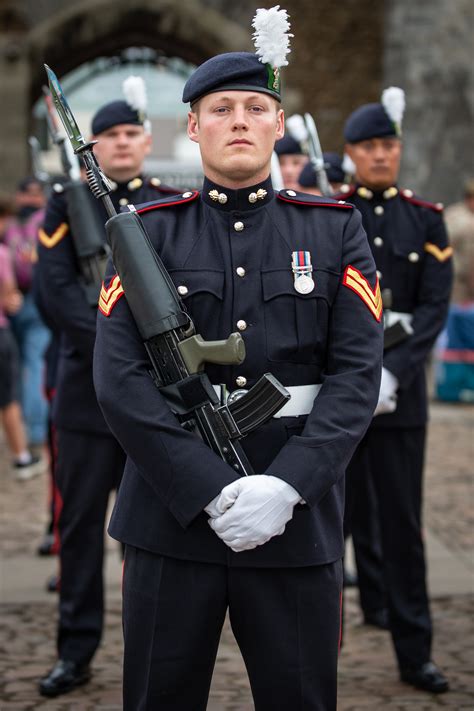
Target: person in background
{"type": "Point", "coordinates": [410, 246]}
{"type": "Point", "coordinates": [25, 464]}
{"type": "Point", "coordinates": [292, 158]}
{"type": "Point", "coordinates": [332, 165]}
{"type": "Point", "coordinates": [31, 334]}
{"type": "Point", "coordinates": [459, 219]}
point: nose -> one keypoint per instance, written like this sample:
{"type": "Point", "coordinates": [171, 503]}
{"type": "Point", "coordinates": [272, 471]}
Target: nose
{"type": "Point", "coordinates": [380, 154]}
{"type": "Point", "coordinates": [240, 119]}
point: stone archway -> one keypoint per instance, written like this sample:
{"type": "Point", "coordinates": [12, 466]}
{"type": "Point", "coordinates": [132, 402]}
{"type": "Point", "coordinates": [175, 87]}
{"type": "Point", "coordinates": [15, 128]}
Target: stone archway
{"type": "Point", "coordinates": [189, 30]}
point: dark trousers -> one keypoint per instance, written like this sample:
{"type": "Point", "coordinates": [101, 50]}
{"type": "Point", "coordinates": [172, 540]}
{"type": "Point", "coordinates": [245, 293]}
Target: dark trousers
{"type": "Point", "coordinates": [361, 521]}
{"type": "Point", "coordinates": [286, 622]}
{"type": "Point", "coordinates": [88, 468]}
{"type": "Point", "coordinates": [393, 460]}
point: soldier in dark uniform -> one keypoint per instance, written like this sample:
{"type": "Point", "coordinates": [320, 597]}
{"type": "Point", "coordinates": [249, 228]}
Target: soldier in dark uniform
{"type": "Point", "coordinates": [90, 461]}
{"type": "Point", "coordinates": [334, 172]}
{"type": "Point", "coordinates": [410, 246]}
{"type": "Point", "coordinates": [292, 158]}
{"type": "Point", "coordinates": [198, 539]}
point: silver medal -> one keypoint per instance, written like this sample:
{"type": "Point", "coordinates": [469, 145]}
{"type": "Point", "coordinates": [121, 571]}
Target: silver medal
{"type": "Point", "coordinates": [304, 284]}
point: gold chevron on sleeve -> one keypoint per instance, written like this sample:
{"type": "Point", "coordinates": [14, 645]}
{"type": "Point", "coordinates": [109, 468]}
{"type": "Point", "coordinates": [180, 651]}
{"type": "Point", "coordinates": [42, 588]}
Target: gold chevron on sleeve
{"type": "Point", "coordinates": [440, 254]}
{"type": "Point", "coordinates": [52, 240]}
{"type": "Point", "coordinates": [356, 281]}
{"type": "Point", "coordinates": [109, 297]}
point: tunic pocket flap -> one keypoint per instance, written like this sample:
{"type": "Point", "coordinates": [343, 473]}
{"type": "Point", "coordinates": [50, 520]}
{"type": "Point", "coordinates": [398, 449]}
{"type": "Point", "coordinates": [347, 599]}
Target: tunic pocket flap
{"type": "Point", "coordinates": [189, 282]}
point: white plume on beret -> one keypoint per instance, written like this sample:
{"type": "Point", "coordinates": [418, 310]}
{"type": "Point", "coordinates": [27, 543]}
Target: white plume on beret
{"type": "Point", "coordinates": [272, 43]}
{"type": "Point", "coordinates": [297, 128]}
{"type": "Point", "coordinates": [393, 101]}
{"type": "Point", "coordinates": [348, 165]}
{"type": "Point", "coordinates": [134, 90]}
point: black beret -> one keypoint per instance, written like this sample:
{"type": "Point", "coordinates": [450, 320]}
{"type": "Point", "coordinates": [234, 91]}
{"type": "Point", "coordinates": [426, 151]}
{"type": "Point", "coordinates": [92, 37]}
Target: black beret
{"type": "Point", "coordinates": [288, 146]}
{"type": "Point", "coordinates": [368, 121]}
{"type": "Point", "coordinates": [235, 71]}
{"type": "Point", "coordinates": [332, 166]}
{"type": "Point", "coordinates": [113, 114]}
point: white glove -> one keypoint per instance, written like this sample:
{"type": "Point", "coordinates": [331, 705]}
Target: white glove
{"type": "Point", "coordinates": [256, 508]}
{"type": "Point", "coordinates": [215, 507]}
{"type": "Point", "coordinates": [388, 393]}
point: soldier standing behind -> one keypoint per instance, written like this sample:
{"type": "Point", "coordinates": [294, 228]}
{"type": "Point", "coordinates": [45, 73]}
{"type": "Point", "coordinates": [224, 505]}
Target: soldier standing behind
{"type": "Point", "coordinates": [410, 246]}
{"type": "Point", "coordinates": [90, 461]}
{"type": "Point", "coordinates": [199, 539]}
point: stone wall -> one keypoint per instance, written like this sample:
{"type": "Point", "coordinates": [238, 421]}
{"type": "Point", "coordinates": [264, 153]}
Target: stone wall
{"type": "Point", "coordinates": [428, 50]}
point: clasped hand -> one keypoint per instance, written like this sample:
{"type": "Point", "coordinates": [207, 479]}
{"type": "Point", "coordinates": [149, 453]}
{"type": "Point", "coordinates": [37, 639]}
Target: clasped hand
{"type": "Point", "coordinates": [251, 510]}
{"type": "Point", "coordinates": [387, 402]}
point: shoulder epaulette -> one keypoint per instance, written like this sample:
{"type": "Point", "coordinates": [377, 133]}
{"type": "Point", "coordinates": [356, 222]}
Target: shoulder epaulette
{"type": "Point", "coordinates": [180, 199]}
{"type": "Point", "coordinates": [409, 196]}
{"type": "Point", "coordinates": [161, 187]}
{"type": "Point", "coordinates": [295, 198]}
{"type": "Point", "coordinates": [345, 191]}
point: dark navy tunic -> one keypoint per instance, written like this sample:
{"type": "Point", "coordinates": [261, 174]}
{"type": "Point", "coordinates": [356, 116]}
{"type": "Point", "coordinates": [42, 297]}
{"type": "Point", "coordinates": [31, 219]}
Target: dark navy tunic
{"type": "Point", "coordinates": [230, 257]}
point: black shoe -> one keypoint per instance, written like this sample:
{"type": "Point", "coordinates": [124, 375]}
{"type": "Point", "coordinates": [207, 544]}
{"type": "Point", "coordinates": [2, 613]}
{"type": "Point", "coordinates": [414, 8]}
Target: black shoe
{"type": "Point", "coordinates": [377, 618]}
{"type": "Point", "coordinates": [350, 579]}
{"type": "Point", "coordinates": [427, 677]}
{"type": "Point", "coordinates": [53, 584]}
{"type": "Point", "coordinates": [64, 677]}
{"type": "Point", "coordinates": [47, 545]}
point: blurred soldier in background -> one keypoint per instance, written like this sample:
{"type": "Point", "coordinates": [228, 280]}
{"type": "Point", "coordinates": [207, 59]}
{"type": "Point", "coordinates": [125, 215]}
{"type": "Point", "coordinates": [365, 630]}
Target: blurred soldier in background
{"type": "Point", "coordinates": [293, 158]}
{"type": "Point", "coordinates": [410, 246]}
{"type": "Point", "coordinates": [332, 165]}
{"type": "Point", "coordinates": [90, 461]}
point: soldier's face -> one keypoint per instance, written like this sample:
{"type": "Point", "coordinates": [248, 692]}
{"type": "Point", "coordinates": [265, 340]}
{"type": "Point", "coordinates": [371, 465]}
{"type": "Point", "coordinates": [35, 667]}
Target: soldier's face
{"type": "Point", "coordinates": [236, 132]}
{"type": "Point", "coordinates": [121, 151]}
{"type": "Point", "coordinates": [291, 166]}
{"type": "Point", "coordinates": [377, 161]}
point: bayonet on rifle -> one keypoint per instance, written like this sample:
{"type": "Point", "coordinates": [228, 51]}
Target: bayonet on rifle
{"type": "Point", "coordinates": [316, 156]}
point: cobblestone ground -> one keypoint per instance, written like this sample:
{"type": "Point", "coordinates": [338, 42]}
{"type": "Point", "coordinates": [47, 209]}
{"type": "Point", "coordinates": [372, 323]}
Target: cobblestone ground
{"type": "Point", "coordinates": [367, 677]}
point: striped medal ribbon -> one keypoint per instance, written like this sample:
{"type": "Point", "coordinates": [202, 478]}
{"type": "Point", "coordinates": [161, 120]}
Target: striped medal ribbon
{"type": "Point", "coordinates": [302, 270]}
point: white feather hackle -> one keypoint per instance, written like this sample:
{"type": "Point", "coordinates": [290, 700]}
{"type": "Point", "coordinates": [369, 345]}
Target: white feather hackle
{"type": "Point", "coordinates": [271, 37]}
{"type": "Point", "coordinates": [297, 128]}
{"type": "Point", "coordinates": [348, 165]}
{"type": "Point", "coordinates": [393, 101]}
{"type": "Point", "coordinates": [134, 90]}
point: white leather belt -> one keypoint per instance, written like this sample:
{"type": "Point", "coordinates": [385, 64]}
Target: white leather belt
{"type": "Point", "coordinates": [393, 317]}
{"type": "Point", "coordinates": [301, 402]}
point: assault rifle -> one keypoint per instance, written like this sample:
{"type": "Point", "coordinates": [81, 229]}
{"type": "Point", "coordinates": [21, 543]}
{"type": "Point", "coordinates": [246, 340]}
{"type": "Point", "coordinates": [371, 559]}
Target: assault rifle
{"type": "Point", "coordinates": [87, 227]}
{"type": "Point", "coordinates": [176, 353]}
